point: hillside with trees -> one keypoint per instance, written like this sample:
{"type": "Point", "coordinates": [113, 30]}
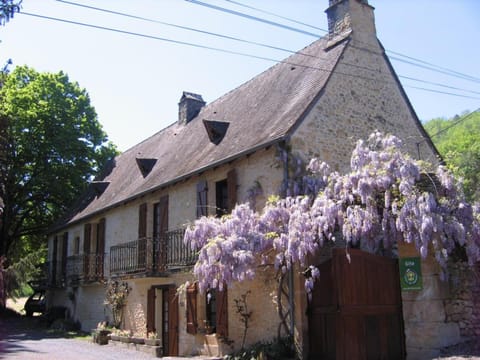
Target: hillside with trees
{"type": "Point", "coordinates": [458, 141]}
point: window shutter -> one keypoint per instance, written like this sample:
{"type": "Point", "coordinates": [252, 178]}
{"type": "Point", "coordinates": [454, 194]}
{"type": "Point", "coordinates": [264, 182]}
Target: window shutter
{"type": "Point", "coordinates": [222, 312]}
{"type": "Point", "coordinates": [54, 260]}
{"type": "Point", "coordinates": [160, 227]}
{"type": "Point", "coordinates": [142, 221]}
{"type": "Point", "coordinates": [192, 309]}
{"type": "Point", "coordinates": [232, 189]}
{"type": "Point", "coordinates": [202, 192]}
{"type": "Point", "coordinates": [151, 310]}
{"type": "Point", "coordinates": [100, 247]}
{"type": "Point", "coordinates": [87, 234]}
{"type": "Point", "coordinates": [64, 254]}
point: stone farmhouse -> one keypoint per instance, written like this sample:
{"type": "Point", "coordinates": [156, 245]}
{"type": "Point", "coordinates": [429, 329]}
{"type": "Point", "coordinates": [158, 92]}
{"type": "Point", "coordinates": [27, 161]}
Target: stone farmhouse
{"type": "Point", "coordinates": [130, 225]}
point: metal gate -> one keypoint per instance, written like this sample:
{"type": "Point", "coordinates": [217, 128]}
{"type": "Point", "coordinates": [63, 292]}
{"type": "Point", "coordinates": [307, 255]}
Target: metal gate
{"type": "Point", "coordinates": [356, 309]}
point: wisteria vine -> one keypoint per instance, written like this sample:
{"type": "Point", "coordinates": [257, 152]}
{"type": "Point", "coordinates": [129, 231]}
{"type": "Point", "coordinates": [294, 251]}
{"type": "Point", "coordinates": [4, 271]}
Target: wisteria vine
{"type": "Point", "coordinates": [387, 197]}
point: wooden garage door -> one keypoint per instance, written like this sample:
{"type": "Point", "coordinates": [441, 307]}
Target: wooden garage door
{"type": "Point", "coordinates": [356, 309]}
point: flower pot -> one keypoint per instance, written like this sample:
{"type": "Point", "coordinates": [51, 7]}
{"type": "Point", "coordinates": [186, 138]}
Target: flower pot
{"type": "Point", "coordinates": [153, 342]}
{"type": "Point", "coordinates": [115, 337]}
{"type": "Point", "coordinates": [125, 339]}
{"type": "Point", "coordinates": [136, 340]}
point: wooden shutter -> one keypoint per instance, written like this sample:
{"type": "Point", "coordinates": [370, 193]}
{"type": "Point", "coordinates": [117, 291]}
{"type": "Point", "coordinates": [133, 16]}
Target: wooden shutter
{"type": "Point", "coordinates": [192, 309]}
{"type": "Point", "coordinates": [54, 260]}
{"type": "Point", "coordinates": [162, 228]}
{"type": "Point", "coordinates": [87, 236]}
{"type": "Point", "coordinates": [231, 189]}
{"type": "Point", "coordinates": [202, 193]}
{"type": "Point", "coordinates": [64, 254]}
{"type": "Point", "coordinates": [222, 312]}
{"type": "Point", "coordinates": [142, 221]}
{"type": "Point", "coordinates": [100, 247]}
{"type": "Point", "coordinates": [173, 322]}
{"type": "Point", "coordinates": [151, 310]}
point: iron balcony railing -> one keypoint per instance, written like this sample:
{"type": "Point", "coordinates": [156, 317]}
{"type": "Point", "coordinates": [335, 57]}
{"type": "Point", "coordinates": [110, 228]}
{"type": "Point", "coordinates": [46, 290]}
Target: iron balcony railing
{"type": "Point", "coordinates": [151, 255]}
{"type": "Point", "coordinates": [75, 268]}
{"type": "Point", "coordinates": [93, 265]}
{"type": "Point", "coordinates": [81, 268]}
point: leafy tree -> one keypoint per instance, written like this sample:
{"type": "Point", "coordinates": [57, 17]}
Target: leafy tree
{"type": "Point", "coordinates": [458, 140]}
{"type": "Point", "coordinates": [52, 145]}
{"type": "Point", "coordinates": [387, 197]}
{"type": "Point", "coordinates": [8, 8]}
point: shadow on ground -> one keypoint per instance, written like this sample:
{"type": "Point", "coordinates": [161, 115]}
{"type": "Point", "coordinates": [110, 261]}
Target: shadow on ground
{"type": "Point", "coordinates": [15, 328]}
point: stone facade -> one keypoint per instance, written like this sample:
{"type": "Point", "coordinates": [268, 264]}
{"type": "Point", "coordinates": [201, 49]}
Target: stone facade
{"type": "Point", "coordinates": [361, 95]}
{"type": "Point", "coordinates": [463, 307]}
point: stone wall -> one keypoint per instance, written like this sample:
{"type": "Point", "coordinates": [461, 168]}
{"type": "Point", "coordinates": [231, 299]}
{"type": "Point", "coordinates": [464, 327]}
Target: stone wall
{"type": "Point", "coordinates": [361, 96]}
{"type": "Point", "coordinates": [463, 307]}
{"type": "Point", "coordinates": [427, 327]}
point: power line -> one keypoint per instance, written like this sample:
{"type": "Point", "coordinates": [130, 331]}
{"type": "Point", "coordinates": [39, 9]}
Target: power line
{"type": "Point", "coordinates": [432, 67]}
{"type": "Point", "coordinates": [442, 92]}
{"type": "Point", "coordinates": [455, 123]}
{"type": "Point", "coordinates": [178, 42]}
{"type": "Point", "coordinates": [247, 41]}
{"type": "Point", "coordinates": [250, 17]}
{"type": "Point", "coordinates": [446, 72]}
{"type": "Point", "coordinates": [180, 27]}
{"type": "Point", "coordinates": [453, 72]}
{"type": "Point", "coordinates": [438, 84]}
{"type": "Point", "coordinates": [276, 15]}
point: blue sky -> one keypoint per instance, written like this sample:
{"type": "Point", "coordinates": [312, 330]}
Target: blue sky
{"type": "Point", "coordinates": [135, 83]}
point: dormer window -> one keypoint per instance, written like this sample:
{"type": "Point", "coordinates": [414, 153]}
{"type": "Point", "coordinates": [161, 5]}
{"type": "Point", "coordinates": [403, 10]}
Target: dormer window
{"type": "Point", "coordinates": [145, 165]}
{"type": "Point", "coordinates": [100, 186]}
{"type": "Point", "coordinates": [216, 130]}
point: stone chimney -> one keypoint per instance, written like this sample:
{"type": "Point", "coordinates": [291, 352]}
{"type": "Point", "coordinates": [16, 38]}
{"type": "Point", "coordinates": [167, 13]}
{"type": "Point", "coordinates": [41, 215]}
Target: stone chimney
{"type": "Point", "coordinates": [354, 16]}
{"type": "Point", "coordinates": [189, 106]}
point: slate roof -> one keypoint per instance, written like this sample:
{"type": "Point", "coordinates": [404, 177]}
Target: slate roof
{"type": "Point", "coordinates": [260, 112]}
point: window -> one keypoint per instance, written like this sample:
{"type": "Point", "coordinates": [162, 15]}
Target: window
{"type": "Point", "coordinates": [76, 245]}
{"type": "Point", "coordinates": [202, 194]}
{"type": "Point", "coordinates": [211, 310]}
{"type": "Point", "coordinates": [217, 311]}
{"type": "Point", "coordinates": [226, 194]}
{"type": "Point", "coordinates": [221, 196]}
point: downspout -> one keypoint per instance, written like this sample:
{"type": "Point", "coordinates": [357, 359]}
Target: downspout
{"type": "Point", "coordinates": [290, 274]}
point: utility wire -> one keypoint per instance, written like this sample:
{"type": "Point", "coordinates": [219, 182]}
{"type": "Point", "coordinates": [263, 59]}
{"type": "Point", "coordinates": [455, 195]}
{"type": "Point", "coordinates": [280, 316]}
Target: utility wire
{"type": "Point", "coordinates": [435, 67]}
{"type": "Point", "coordinates": [181, 27]}
{"type": "Point", "coordinates": [250, 17]}
{"type": "Point", "coordinates": [446, 72]}
{"type": "Point", "coordinates": [218, 50]}
{"type": "Point", "coordinates": [467, 77]}
{"type": "Point", "coordinates": [455, 123]}
{"type": "Point", "coordinates": [245, 41]}
{"type": "Point", "coordinates": [276, 15]}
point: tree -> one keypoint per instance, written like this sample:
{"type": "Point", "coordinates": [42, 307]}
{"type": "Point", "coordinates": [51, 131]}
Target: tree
{"type": "Point", "coordinates": [458, 141]}
{"type": "Point", "coordinates": [387, 197]}
{"type": "Point", "coordinates": [8, 8]}
{"type": "Point", "coordinates": [53, 146]}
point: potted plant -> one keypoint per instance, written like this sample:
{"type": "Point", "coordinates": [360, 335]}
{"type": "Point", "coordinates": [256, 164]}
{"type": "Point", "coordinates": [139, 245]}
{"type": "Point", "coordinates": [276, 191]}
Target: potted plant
{"type": "Point", "coordinates": [124, 336]}
{"type": "Point", "coordinates": [101, 334]}
{"type": "Point", "coordinates": [152, 339]}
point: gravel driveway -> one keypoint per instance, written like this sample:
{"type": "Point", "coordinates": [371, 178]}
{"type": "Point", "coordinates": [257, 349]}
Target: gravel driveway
{"type": "Point", "coordinates": [21, 338]}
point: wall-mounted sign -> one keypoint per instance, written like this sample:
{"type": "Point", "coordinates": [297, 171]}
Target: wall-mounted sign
{"type": "Point", "coordinates": [411, 274]}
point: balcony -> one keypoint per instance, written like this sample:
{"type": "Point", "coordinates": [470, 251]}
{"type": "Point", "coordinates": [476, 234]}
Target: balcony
{"type": "Point", "coordinates": [151, 255]}
{"type": "Point", "coordinates": [77, 269]}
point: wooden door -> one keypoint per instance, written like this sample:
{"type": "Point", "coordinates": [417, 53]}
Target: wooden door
{"type": "Point", "coordinates": [170, 331]}
{"type": "Point", "coordinates": [356, 309]}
